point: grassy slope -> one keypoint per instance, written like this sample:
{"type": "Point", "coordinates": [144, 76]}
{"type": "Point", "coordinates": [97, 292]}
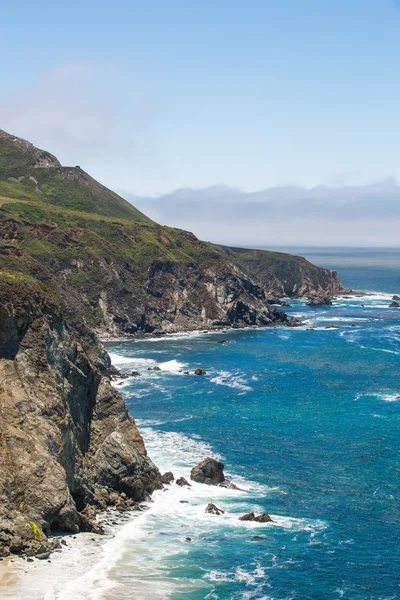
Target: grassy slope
{"type": "Point", "coordinates": [53, 218]}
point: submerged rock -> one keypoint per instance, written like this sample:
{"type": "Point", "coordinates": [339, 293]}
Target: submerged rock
{"type": "Point", "coordinates": [332, 327]}
{"type": "Point", "coordinates": [264, 518]}
{"type": "Point", "coordinates": [209, 471]}
{"type": "Point", "coordinates": [182, 481]}
{"type": "Point", "coordinates": [247, 517]}
{"type": "Point", "coordinates": [200, 372]}
{"type": "Point", "coordinates": [212, 509]}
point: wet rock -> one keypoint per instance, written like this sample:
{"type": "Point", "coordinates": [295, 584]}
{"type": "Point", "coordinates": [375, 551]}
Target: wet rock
{"type": "Point", "coordinates": [167, 477]}
{"type": "Point", "coordinates": [182, 481]}
{"type": "Point", "coordinates": [247, 517]}
{"type": "Point", "coordinates": [183, 501]}
{"type": "Point", "coordinates": [209, 471]}
{"type": "Point", "coordinates": [394, 304]}
{"type": "Point", "coordinates": [188, 539]}
{"type": "Point", "coordinates": [395, 297]}
{"type": "Point", "coordinates": [259, 537]}
{"type": "Point", "coordinates": [43, 555]}
{"type": "Point", "coordinates": [230, 486]}
{"type": "Point", "coordinates": [212, 509]}
{"type": "Point", "coordinates": [200, 372]}
{"type": "Point", "coordinates": [319, 301]}
{"type": "Point", "coordinates": [222, 341]}
{"type": "Point", "coordinates": [153, 369]}
{"type": "Point", "coordinates": [332, 327]}
{"type": "Point", "coordinates": [264, 518]}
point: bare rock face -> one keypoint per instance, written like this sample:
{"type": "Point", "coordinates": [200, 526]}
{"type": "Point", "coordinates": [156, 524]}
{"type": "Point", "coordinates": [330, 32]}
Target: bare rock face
{"type": "Point", "coordinates": [209, 471]}
{"type": "Point", "coordinates": [66, 436]}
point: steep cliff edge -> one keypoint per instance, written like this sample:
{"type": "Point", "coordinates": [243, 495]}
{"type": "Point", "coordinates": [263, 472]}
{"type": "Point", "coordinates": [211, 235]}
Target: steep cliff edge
{"type": "Point", "coordinates": [67, 441]}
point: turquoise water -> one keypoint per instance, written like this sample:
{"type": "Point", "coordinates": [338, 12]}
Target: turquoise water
{"type": "Point", "coordinates": [308, 421]}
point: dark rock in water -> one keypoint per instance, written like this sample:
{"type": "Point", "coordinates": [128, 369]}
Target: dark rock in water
{"type": "Point", "coordinates": [200, 372]}
{"type": "Point", "coordinates": [186, 373]}
{"type": "Point", "coordinates": [222, 342]}
{"type": "Point", "coordinates": [167, 477]}
{"type": "Point", "coordinates": [153, 369]}
{"type": "Point", "coordinates": [285, 304]}
{"type": "Point", "coordinates": [319, 301]}
{"type": "Point", "coordinates": [395, 297]}
{"type": "Point", "coordinates": [183, 502]}
{"type": "Point", "coordinates": [394, 305]}
{"type": "Point", "coordinates": [188, 539]}
{"type": "Point", "coordinates": [264, 518]}
{"type": "Point", "coordinates": [247, 517]}
{"type": "Point", "coordinates": [294, 323]}
{"type": "Point", "coordinates": [209, 471]}
{"type": "Point", "coordinates": [332, 327]}
{"type": "Point", "coordinates": [230, 486]}
{"type": "Point", "coordinates": [259, 537]}
{"type": "Point", "coordinates": [126, 374]}
{"type": "Point", "coordinates": [182, 481]}
{"type": "Point", "coordinates": [214, 510]}
{"type": "Point", "coordinates": [43, 555]}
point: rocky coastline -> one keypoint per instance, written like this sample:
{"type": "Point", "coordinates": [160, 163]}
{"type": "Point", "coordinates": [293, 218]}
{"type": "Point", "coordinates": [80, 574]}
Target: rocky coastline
{"type": "Point", "coordinates": [78, 262]}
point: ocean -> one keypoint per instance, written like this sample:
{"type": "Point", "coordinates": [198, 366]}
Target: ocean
{"type": "Point", "coordinates": [307, 420]}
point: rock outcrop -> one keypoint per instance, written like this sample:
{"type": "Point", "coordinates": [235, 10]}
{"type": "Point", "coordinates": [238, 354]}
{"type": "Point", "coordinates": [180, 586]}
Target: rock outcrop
{"type": "Point", "coordinates": [319, 301]}
{"type": "Point", "coordinates": [66, 437]}
{"type": "Point", "coordinates": [394, 304]}
{"type": "Point", "coordinates": [209, 471]}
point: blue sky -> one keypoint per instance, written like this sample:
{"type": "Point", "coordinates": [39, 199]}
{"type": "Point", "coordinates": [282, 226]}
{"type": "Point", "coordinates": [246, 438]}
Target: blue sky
{"type": "Point", "coordinates": [150, 97]}
{"type": "Point", "coordinates": [173, 94]}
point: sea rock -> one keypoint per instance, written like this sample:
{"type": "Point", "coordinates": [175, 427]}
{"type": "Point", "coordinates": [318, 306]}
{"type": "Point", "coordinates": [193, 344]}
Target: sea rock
{"type": "Point", "coordinates": [167, 477]}
{"type": "Point", "coordinates": [200, 372]}
{"type": "Point", "coordinates": [230, 486]}
{"type": "Point", "coordinates": [153, 369]}
{"type": "Point", "coordinates": [209, 471]}
{"type": "Point", "coordinates": [332, 327]}
{"type": "Point", "coordinates": [212, 509]}
{"type": "Point", "coordinates": [247, 517]}
{"type": "Point", "coordinates": [395, 297]}
{"type": "Point", "coordinates": [182, 481]}
{"type": "Point", "coordinates": [264, 518]}
{"type": "Point", "coordinates": [394, 304]}
{"type": "Point", "coordinates": [319, 301]}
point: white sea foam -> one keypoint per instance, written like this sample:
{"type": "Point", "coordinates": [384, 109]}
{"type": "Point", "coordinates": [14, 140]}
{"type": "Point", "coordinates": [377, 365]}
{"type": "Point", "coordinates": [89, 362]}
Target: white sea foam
{"type": "Point", "coordinates": [232, 380]}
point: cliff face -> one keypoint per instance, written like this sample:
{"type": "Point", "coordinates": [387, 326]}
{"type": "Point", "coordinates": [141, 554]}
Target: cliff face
{"type": "Point", "coordinates": [120, 270]}
{"type": "Point", "coordinates": [76, 258]}
{"type": "Point", "coordinates": [66, 438]}
{"type": "Point", "coordinates": [285, 275]}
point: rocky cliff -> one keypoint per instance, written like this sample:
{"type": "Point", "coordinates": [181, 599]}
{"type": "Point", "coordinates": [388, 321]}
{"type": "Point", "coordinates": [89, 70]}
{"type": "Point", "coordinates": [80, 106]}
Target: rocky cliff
{"type": "Point", "coordinates": [67, 442]}
{"type": "Point", "coordinates": [125, 273]}
{"type": "Point", "coordinates": [76, 259]}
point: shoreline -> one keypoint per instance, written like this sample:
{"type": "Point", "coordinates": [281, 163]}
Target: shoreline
{"type": "Point", "coordinates": [15, 570]}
